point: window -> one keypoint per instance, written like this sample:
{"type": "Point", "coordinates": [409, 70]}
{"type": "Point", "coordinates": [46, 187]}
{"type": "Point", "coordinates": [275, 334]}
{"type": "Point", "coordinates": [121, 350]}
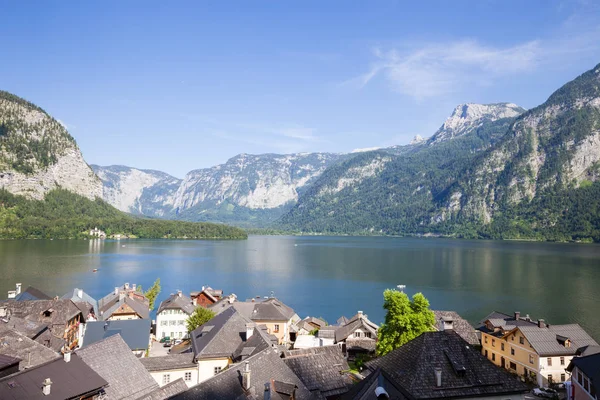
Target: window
{"type": "Point", "coordinates": [188, 376]}
{"type": "Point", "coordinates": [218, 369]}
{"type": "Point", "coordinates": [513, 366]}
{"type": "Point", "coordinates": [166, 378]}
{"type": "Point", "coordinates": [493, 356]}
{"type": "Point", "coordinates": [181, 322]}
{"type": "Point", "coordinates": [356, 334]}
{"type": "Point", "coordinates": [493, 342]}
{"type": "Point", "coordinates": [586, 384]}
{"type": "Point", "coordinates": [163, 323]}
{"type": "Point", "coordinates": [549, 360]}
{"type": "Point", "coordinates": [368, 334]}
{"type": "Point", "coordinates": [562, 377]}
{"type": "Point", "coordinates": [276, 328]}
{"type": "Point", "coordinates": [163, 334]}
{"type": "Point", "coordinates": [486, 354]}
{"type": "Point", "coordinates": [521, 340]}
{"type": "Point", "coordinates": [512, 351]}
{"type": "Point", "coordinates": [580, 378]}
{"type": "Point", "coordinates": [486, 339]}
{"type": "Point", "coordinates": [549, 379]}
{"type": "Point", "coordinates": [562, 361]}
{"type": "Point", "coordinates": [502, 346]}
{"type": "Point", "coordinates": [531, 359]}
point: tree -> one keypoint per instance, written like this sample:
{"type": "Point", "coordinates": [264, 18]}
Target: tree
{"type": "Point", "coordinates": [139, 289]}
{"type": "Point", "coordinates": [153, 292]}
{"type": "Point", "coordinates": [404, 321]}
{"type": "Point", "coordinates": [199, 317]}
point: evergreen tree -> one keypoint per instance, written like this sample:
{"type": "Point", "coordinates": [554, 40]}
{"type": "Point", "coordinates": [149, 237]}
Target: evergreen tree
{"type": "Point", "coordinates": [153, 292]}
{"type": "Point", "coordinates": [404, 321]}
{"type": "Point", "coordinates": [198, 318]}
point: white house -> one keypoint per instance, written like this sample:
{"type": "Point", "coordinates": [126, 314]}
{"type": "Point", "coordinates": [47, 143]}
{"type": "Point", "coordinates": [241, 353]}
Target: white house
{"type": "Point", "coordinates": [172, 315]}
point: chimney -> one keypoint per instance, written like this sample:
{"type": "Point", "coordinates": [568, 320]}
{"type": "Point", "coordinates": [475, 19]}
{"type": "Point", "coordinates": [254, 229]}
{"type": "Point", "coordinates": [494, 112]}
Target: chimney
{"type": "Point", "coordinates": [46, 385]}
{"type": "Point", "coordinates": [517, 315]}
{"type": "Point", "coordinates": [67, 356]}
{"type": "Point", "coordinates": [246, 376]}
{"type": "Point", "coordinates": [541, 323]}
{"type": "Point", "coordinates": [18, 287]}
{"type": "Point", "coordinates": [179, 293]}
{"type": "Point", "coordinates": [105, 325]}
{"type": "Point", "coordinates": [195, 301]}
{"type": "Point", "coordinates": [127, 286]}
{"type": "Point", "coordinates": [80, 293]}
{"type": "Point", "coordinates": [116, 291]}
{"type": "Point", "coordinates": [360, 314]}
{"type": "Point", "coordinates": [203, 288]}
{"type": "Point", "coordinates": [249, 329]}
{"type": "Point", "coordinates": [438, 377]}
{"type": "Point", "coordinates": [3, 312]}
{"type": "Point", "coordinates": [380, 391]}
{"type": "Point", "coordinates": [134, 286]}
{"type": "Point", "coordinates": [121, 296]}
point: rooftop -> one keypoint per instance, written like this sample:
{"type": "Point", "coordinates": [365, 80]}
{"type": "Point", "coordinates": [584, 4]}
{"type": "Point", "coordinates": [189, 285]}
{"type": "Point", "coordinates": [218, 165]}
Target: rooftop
{"type": "Point", "coordinates": [32, 293]}
{"type": "Point", "coordinates": [464, 371]}
{"type": "Point", "coordinates": [171, 361]}
{"type": "Point", "coordinates": [358, 321]}
{"type": "Point", "coordinates": [31, 353]}
{"type": "Point", "coordinates": [78, 295]}
{"type": "Point", "coordinates": [589, 365]}
{"type": "Point", "coordinates": [220, 336]}
{"type": "Point", "coordinates": [135, 332]}
{"type": "Point", "coordinates": [550, 340]}
{"type": "Point", "coordinates": [166, 391]}
{"type": "Point", "coordinates": [460, 325]}
{"type": "Point", "coordinates": [177, 301]}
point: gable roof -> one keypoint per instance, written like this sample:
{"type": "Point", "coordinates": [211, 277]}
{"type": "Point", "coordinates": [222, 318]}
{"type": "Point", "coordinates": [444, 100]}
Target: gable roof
{"type": "Point", "coordinates": [321, 369]}
{"type": "Point", "coordinates": [32, 293]}
{"type": "Point", "coordinates": [465, 372]}
{"type": "Point", "coordinates": [359, 321]}
{"type": "Point", "coordinates": [109, 308]}
{"type": "Point", "coordinates": [505, 322]}
{"type": "Point", "coordinates": [135, 332]}
{"type": "Point", "coordinates": [31, 353]}
{"type": "Point", "coordinates": [271, 309]}
{"type": "Point", "coordinates": [112, 360]}
{"type": "Point", "coordinates": [29, 328]}
{"type": "Point", "coordinates": [74, 296]}
{"type": "Point", "coordinates": [460, 325]}
{"type": "Point", "coordinates": [69, 380]}
{"type": "Point", "coordinates": [171, 361]}
{"type": "Point", "coordinates": [545, 340]}
{"type": "Point", "coordinates": [365, 389]}
{"type": "Point", "coordinates": [227, 385]}
{"type": "Point", "coordinates": [177, 301]}
{"type": "Point", "coordinates": [589, 365]}
{"type": "Point", "coordinates": [166, 391]}
{"type": "Point", "coordinates": [220, 336]}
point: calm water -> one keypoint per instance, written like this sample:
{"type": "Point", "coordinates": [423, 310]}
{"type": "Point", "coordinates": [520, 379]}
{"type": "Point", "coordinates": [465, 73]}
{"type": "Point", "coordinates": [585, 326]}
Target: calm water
{"type": "Point", "coordinates": [330, 276]}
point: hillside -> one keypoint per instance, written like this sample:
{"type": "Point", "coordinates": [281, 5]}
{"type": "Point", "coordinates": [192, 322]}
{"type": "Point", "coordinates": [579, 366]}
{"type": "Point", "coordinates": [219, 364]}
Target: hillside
{"type": "Point", "coordinates": [66, 215]}
{"type": "Point", "coordinates": [37, 154]}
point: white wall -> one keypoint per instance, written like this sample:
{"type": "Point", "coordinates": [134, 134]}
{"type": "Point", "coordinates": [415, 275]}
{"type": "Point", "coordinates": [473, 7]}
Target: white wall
{"type": "Point", "coordinates": [176, 374]}
{"type": "Point", "coordinates": [555, 370]}
{"type": "Point", "coordinates": [206, 368]}
{"type": "Point", "coordinates": [171, 323]}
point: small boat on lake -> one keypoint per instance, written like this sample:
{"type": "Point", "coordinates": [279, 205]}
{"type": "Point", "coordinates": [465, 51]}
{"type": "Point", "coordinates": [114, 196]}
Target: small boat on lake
{"type": "Point", "coordinates": [95, 270]}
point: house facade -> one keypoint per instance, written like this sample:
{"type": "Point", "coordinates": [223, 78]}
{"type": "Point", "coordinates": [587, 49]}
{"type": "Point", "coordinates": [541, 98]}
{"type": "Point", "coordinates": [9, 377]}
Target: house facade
{"type": "Point", "coordinates": [172, 315]}
{"type": "Point", "coordinates": [358, 335]}
{"type": "Point", "coordinates": [277, 317]}
{"type": "Point", "coordinates": [124, 302]}
{"type": "Point", "coordinates": [206, 297]}
{"type": "Point", "coordinates": [585, 376]}
{"type": "Point", "coordinates": [167, 369]}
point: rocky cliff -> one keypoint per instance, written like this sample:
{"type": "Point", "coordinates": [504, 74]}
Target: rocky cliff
{"type": "Point", "coordinates": [37, 154]}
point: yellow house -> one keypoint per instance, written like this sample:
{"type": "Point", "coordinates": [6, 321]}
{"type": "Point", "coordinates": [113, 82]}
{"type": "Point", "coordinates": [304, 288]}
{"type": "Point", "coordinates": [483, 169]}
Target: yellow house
{"type": "Point", "coordinates": [276, 316]}
{"type": "Point", "coordinates": [532, 349]}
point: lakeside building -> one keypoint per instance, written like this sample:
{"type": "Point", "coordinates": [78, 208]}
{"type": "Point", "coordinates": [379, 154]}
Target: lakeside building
{"type": "Point", "coordinates": [124, 302]}
{"type": "Point", "coordinates": [134, 332]}
{"type": "Point", "coordinates": [169, 368]}
{"type": "Point", "coordinates": [532, 349]}
{"type": "Point", "coordinates": [585, 374]}
{"type": "Point", "coordinates": [206, 297]}
{"type": "Point", "coordinates": [172, 315]}
{"type": "Point", "coordinates": [452, 320]}
{"type": "Point", "coordinates": [357, 336]}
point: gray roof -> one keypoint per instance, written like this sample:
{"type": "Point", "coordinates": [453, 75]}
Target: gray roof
{"type": "Point", "coordinates": [32, 293]}
{"type": "Point", "coordinates": [171, 361]}
{"type": "Point", "coordinates": [589, 365]}
{"type": "Point", "coordinates": [74, 296]}
{"type": "Point", "coordinates": [546, 341]}
{"type": "Point", "coordinates": [316, 321]}
{"type": "Point", "coordinates": [265, 367]}
{"type": "Point", "coordinates": [177, 301]}
{"type": "Point", "coordinates": [8, 361]}
{"type": "Point", "coordinates": [321, 369]}
{"type": "Point", "coordinates": [355, 323]}
{"type": "Point", "coordinates": [327, 332]}
{"type": "Point", "coordinates": [465, 372]}
{"type": "Point", "coordinates": [112, 360]}
{"type": "Point", "coordinates": [166, 391]}
{"type": "Point", "coordinates": [32, 353]}
{"type": "Point", "coordinates": [505, 322]}
{"type": "Point", "coordinates": [69, 380]}
{"type": "Point", "coordinates": [221, 336]}
{"type": "Point", "coordinates": [365, 389]}
{"type": "Point", "coordinates": [31, 329]}
{"type": "Point", "coordinates": [135, 332]}
{"type": "Point", "coordinates": [271, 310]}
{"type": "Point", "coordinates": [109, 308]}
{"type": "Point", "coordinates": [460, 325]}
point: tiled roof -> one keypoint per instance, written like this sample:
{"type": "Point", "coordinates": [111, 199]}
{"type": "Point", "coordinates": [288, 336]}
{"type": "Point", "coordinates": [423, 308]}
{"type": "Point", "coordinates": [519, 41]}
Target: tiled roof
{"type": "Point", "coordinates": [177, 301]}
{"type": "Point", "coordinates": [271, 310]}
{"type": "Point", "coordinates": [8, 361]}
{"type": "Point", "coordinates": [220, 336]}
{"type": "Point", "coordinates": [589, 365]}
{"type": "Point", "coordinates": [69, 380]}
{"type": "Point", "coordinates": [545, 340]}
{"type": "Point", "coordinates": [108, 309]}
{"type": "Point", "coordinates": [264, 367]}
{"type": "Point", "coordinates": [505, 321]}
{"type": "Point", "coordinates": [365, 389]}
{"type": "Point", "coordinates": [327, 332]}
{"type": "Point", "coordinates": [32, 353]}
{"type": "Point", "coordinates": [31, 329]}
{"type": "Point", "coordinates": [342, 321]}
{"type": "Point", "coordinates": [126, 376]}
{"type": "Point", "coordinates": [460, 325]}
{"type": "Point", "coordinates": [74, 296]}
{"type": "Point", "coordinates": [316, 321]}
{"type": "Point", "coordinates": [321, 369]}
{"type": "Point", "coordinates": [355, 323]}
{"type": "Point", "coordinates": [166, 391]}
{"type": "Point", "coordinates": [465, 372]}
{"type": "Point", "coordinates": [172, 361]}
{"type": "Point", "coordinates": [32, 293]}
{"type": "Point", "coordinates": [135, 332]}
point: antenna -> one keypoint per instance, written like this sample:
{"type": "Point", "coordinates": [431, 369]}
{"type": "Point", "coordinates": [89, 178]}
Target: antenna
{"type": "Point", "coordinates": [401, 288]}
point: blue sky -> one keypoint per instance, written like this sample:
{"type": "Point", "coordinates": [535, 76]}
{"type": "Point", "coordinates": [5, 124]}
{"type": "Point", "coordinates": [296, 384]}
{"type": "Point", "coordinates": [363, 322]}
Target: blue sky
{"type": "Point", "coordinates": [187, 85]}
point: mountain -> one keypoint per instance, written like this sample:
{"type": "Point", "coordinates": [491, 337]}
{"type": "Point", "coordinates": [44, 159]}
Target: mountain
{"type": "Point", "coordinates": [138, 191]}
{"type": "Point", "coordinates": [37, 154]}
{"type": "Point", "coordinates": [533, 176]}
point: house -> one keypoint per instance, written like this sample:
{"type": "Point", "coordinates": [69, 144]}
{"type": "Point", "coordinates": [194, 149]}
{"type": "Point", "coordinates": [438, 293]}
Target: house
{"type": "Point", "coordinates": [135, 333]}
{"type": "Point", "coordinates": [585, 375]}
{"type": "Point", "coordinates": [227, 338]}
{"type": "Point", "coordinates": [206, 297]}
{"type": "Point", "coordinates": [357, 336]}
{"type": "Point", "coordinates": [167, 391]}
{"type": "Point", "coordinates": [30, 293]}
{"type": "Point", "coordinates": [309, 324]}
{"type": "Point", "coordinates": [451, 320]}
{"type": "Point", "coordinates": [310, 341]}
{"type": "Point", "coordinates": [323, 370]}
{"type": "Point", "coordinates": [439, 365]}
{"type": "Point", "coordinates": [166, 369]}
{"type": "Point", "coordinates": [8, 365]}
{"type": "Point", "coordinates": [79, 296]}
{"type": "Point", "coordinates": [58, 323]}
{"type": "Point", "coordinates": [112, 359]}
{"type": "Point", "coordinates": [262, 375]}
{"type": "Point", "coordinates": [31, 353]}
{"type": "Point", "coordinates": [532, 349]}
{"type": "Point", "coordinates": [124, 302]}
{"type": "Point", "coordinates": [62, 378]}
{"type": "Point", "coordinates": [172, 314]}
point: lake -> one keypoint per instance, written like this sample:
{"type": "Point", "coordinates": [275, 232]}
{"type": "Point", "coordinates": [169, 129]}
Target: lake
{"type": "Point", "coordinates": [330, 276]}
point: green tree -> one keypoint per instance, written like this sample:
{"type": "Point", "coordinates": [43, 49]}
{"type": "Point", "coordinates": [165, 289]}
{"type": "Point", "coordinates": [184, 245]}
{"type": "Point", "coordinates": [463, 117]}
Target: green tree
{"type": "Point", "coordinates": [153, 292]}
{"type": "Point", "coordinates": [404, 321]}
{"type": "Point", "coordinates": [199, 317]}
{"type": "Point", "coordinates": [139, 289]}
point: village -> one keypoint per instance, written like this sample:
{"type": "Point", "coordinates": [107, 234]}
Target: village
{"type": "Point", "coordinates": [77, 347]}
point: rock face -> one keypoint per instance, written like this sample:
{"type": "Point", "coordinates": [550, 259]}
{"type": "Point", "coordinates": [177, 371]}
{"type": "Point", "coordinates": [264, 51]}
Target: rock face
{"type": "Point", "coordinates": [467, 117]}
{"type": "Point", "coordinates": [137, 191]}
{"type": "Point", "coordinates": [37, 154]}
